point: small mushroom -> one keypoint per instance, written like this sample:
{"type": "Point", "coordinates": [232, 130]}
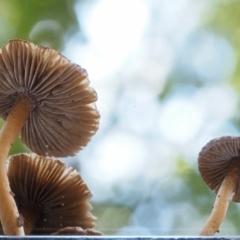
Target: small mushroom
{"type": "Point", "coordinates": [50, 197]}
{"type": "Point", "coordinates": [219, 165]}
{"type": "Point", "coordinates": [77, 231]}
{"type": "Point", "coordinates": [47, 100]}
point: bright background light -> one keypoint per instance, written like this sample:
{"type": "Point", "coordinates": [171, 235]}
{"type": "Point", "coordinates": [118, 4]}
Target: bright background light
{"type": "Point", "coordinates": [163, 94]}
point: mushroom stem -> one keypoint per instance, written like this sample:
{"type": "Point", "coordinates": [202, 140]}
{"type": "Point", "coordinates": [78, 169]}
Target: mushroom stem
{"type": "Point", "coordinates": [29, 218]}
{"type": "Point", "coordinates": [12, 126]}
{"type": "Point", "coordinates": [224, 196]}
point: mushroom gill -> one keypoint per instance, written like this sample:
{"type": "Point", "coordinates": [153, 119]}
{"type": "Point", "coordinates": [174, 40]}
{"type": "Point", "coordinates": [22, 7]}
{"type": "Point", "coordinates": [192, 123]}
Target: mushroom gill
{"type": "Point", "coordinates": [61, 116]}
{"type": "Point", "coordinates": [49, 196]}
{"type": "Point", "coordinates": [219, 166]}
{"type": "Point", "coordinates": [47, 100]}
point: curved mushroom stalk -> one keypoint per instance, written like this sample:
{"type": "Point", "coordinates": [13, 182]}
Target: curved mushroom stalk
{"type": "Point", "coordinates": [12, 126]}
{"type": "Point", "coordinates": [47, 100]}
{"type": "Point", "coordinates": [224, 196]}
{"type": "Point", "coordinates": [219, 165]}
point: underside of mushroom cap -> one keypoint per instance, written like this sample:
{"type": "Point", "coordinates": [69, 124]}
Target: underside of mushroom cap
{"type": "Point", "coordinates": [214, 161]}
{"type": "Point", "coordinates": [64, 115]}
{"type": "Point", "coordinates": [77, 231]}
{"type": "Point", "coordinates": [49, 195]}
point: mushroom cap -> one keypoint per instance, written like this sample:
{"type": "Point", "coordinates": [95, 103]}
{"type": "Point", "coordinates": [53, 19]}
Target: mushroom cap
{"type": "Point", "coordinates": [215, 159]}
{"type": "Point", "coordinates": [64, 115]}
{"type": "Point", "coordinates": [49, 195]}
{"type": "Point", "coordinates": [77, 231]}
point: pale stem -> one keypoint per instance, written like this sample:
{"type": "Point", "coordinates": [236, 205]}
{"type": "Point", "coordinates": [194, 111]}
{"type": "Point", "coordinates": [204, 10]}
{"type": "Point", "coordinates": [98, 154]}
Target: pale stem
{"type": "Point", "coordinates": [224, 196]}
{"type": "Point", "coordinates": [30, 216]}
{"type": "Point", "coordinates": [12, 126]}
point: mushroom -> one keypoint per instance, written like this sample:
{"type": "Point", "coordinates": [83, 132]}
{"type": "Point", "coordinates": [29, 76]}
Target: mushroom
{"type": "Point", "coordinates": [51, 198]}
{"type": "Point", "coordinates": [47, 100]}
{"type": "Point", "coordinates": [219, 165]}
{"type": "Point", "coordinates": [77, 231]}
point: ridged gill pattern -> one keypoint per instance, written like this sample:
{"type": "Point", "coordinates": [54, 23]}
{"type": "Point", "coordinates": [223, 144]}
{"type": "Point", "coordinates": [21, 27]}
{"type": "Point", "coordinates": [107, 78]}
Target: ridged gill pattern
{"type": "Point", "coordinates": [214, 160]}
{"type": "Point", "coordinates": [64, 116]}
{"type": "Point", "coordinates": [53, 195]}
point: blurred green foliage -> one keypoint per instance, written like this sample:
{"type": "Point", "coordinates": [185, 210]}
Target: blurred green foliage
{"type": "Point", "coordinates": [49, 22]}
{"type": "Point", "coordinates": [225, 22]}
{"type": "Point", "coordinates": [111, 217]}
